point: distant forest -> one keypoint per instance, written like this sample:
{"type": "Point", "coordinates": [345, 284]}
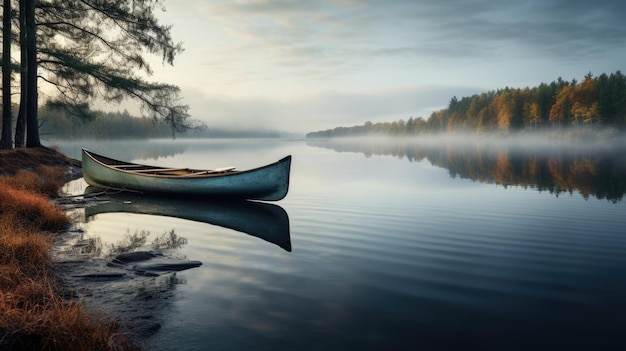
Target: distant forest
{"type": "Point", "coordinates": [597, 101]}
{"type": "Point", "coordinates": [59, 123]}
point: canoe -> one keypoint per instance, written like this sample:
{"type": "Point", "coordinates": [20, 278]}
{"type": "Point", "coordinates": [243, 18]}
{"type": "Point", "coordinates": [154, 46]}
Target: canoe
{"type": "Point", "coordinates": [263, 220]}
{"type": "Point", "coordinates": [268, 183]}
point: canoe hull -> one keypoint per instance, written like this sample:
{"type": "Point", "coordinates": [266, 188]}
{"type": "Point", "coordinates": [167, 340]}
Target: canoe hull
{"type": "Point", "coordinates": [269, 183]}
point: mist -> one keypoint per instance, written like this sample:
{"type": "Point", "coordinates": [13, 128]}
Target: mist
{"type": "Point", "coordinates": [587, 139]}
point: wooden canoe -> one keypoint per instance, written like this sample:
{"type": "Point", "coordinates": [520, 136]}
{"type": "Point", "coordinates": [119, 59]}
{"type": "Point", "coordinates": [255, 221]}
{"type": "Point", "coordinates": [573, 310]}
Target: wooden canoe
{"type": "Point", "coordinates": [268, 183]}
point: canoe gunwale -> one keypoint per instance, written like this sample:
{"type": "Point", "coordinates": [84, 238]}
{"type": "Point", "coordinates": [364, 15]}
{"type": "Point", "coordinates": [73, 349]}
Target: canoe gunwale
{"type": "Point", "coordinates": [209, 173]}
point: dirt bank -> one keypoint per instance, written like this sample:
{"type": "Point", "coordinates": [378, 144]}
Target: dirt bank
{"type": "Point", "coordinates": [16, 160]}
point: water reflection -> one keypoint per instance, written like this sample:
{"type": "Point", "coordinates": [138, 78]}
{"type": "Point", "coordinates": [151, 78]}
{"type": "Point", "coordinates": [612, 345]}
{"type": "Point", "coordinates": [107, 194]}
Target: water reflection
{"type": "Point", "coordinates": [140, 300]}
{"type": "Point", "coordinates": [140, 293]}
{"type": "Point", "coordinates": [563, 169]}
{"type": "Point", "coordinates": [265, 221]}
{"type": "Point", "coordinates": [94, 247]}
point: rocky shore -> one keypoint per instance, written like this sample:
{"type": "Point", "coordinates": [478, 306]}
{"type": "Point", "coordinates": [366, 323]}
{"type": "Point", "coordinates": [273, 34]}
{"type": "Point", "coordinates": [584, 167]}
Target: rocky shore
{"type": "Point", "coordinates": [130, 286]}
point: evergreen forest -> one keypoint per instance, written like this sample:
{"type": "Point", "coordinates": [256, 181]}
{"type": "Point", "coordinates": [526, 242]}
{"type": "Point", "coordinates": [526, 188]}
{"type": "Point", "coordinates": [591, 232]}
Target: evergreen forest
{"type": "Point", "coordinates": [595, 101]}
{"type": "Point", "coordinates": [58, 123]}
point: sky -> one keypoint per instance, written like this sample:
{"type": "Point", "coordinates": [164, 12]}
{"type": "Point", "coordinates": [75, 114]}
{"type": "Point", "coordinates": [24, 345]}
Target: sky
{"type": "Point", "coordinates": [302, 66]}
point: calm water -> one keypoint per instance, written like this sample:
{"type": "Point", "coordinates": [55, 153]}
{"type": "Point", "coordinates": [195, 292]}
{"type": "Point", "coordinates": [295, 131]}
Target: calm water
{"type": "Point", "coordinates": [389, 247]}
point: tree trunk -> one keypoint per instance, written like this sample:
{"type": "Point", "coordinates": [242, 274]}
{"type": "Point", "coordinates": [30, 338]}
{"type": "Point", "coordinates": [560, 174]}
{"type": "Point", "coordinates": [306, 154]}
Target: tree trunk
{"type": "Point", "coordinates": [7, 122]}
{"type": "Point", "coordinates": [20, 127]}
{"type": "Point", "coordinates": [32, 124]}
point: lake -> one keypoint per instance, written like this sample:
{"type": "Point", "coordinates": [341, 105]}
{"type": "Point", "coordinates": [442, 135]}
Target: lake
{"type": "Point", "coordinates": [387, 246]}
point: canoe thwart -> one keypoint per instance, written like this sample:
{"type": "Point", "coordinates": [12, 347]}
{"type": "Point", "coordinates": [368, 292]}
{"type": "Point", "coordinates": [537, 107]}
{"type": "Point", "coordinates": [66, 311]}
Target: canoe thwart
{"type": "Point", "coordinates": [222, 169]}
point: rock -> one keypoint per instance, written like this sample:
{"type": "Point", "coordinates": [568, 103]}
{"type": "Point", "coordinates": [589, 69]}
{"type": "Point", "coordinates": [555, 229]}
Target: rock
{"type": "Point", "coordinates": [135, 257]}
{"type": "Point", "coordinates": [101, 275]}
{"type": "Point", "coordinates": [166, 266]}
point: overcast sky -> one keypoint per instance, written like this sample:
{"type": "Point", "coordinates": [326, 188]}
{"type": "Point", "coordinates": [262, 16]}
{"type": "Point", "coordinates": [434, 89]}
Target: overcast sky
{"type": "Point", "coordinates": [316, 64]}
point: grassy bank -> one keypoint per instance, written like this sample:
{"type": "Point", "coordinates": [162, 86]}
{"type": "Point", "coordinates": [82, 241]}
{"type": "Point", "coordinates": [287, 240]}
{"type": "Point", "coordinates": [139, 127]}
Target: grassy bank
{"type": "Point", "coordinates": [32, 315]}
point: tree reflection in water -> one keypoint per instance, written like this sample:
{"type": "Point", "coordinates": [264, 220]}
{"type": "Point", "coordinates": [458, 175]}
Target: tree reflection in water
{"type": "Point", "coordinates": [131, 242]}
{"type": "Point", "coordinates": [560, 168]}
{"type": "Point", "coordinates": [93, 247]}
{"type": "Point", "coordinates": [168, 240]}
{"type": "Point", "coordinates": [139, 302]}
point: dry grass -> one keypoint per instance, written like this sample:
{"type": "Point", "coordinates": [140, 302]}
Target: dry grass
{"type": "Point", "coordinates": [26, 209]}
{"type": "Point", "coordinates": [35, 318]}
{"type": "Point", "coordinates": [46, 180]}
{"type": "Point", "coordinates": [24, 253]}
{"type": "Point", "coordinates": [32, 315]}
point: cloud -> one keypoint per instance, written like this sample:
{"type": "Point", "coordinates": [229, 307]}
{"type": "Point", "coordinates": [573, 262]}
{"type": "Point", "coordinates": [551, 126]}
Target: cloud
{"type": "Point", "coordinates": [325, 38]}
{"type": "Point", "coordinates": [310, 65]}
{"type": "Point", "coordinates": [561, 29]}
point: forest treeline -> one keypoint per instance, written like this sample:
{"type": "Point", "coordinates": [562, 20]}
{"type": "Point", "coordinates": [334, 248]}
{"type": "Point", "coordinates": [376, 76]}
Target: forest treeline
{"type": "Point", "coordinates": [59, 123]}
{"type": "Point", "coordinates": [598, 101]}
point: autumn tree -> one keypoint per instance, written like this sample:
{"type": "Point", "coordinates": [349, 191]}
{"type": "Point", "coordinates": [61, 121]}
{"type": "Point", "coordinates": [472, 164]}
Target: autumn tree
{"type": "Point", "coordinates": [560, 112]}
{"type": "Point", "coordinates": [504, 105]}
{"type": "Point", "coordinates": [584, 99]}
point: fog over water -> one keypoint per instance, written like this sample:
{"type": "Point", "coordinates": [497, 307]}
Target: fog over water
{"type": "Point", "coordinates": [591, 162]}
{"type": "Point", "coordinates": [589, 139]}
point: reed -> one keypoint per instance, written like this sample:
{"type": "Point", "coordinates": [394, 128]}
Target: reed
{"type": "Point", "coordinates": [32, 315]}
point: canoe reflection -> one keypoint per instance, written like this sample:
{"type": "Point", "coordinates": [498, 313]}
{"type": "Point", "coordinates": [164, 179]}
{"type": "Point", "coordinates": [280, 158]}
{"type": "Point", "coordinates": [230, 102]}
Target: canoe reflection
{"type": "Point", "coordinates": [265, 221]}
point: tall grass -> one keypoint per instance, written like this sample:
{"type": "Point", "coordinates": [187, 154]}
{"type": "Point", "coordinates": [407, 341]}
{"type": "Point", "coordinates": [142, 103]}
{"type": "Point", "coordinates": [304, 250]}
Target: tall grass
{"type": "Point", "coordinates": [32, 315]}
{"type": "Point", "coordinates": [29, 210]}
{"type": "Point", "coordinates": [46, 180]}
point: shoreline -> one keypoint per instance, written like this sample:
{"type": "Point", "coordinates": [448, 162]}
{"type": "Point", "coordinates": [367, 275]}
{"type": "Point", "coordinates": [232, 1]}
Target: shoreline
{"type": "Point", "coordinates": [34, 312]}
{"type": "Point", "coordinates": [29, 159]}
